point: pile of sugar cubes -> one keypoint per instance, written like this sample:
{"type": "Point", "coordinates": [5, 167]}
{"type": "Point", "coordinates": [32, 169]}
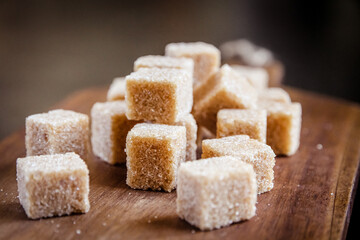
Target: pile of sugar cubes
{"type": "Point", "coordinates": [153, 121]}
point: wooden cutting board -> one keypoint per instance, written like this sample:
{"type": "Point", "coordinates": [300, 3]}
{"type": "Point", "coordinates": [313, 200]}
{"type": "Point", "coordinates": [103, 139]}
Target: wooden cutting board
{"type": "Point", "coordinates": [312, 197]}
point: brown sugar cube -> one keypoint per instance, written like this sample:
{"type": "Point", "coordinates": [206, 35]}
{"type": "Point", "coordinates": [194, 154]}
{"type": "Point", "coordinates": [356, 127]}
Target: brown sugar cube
{"type": "Point", "coordinates": [257, 76]}
{"type": "Point", "coordinates": [117, 90]}
{"type": "Point", "coordinates": [154, 153]}
{"type": "Point", "coordinates": [251, 151]}
{"type": "Point", "coordinates": [202, 89]}
{"type": "Point", "coordinates": [246, 53]}
{"type": "Point", "coordinates": [53, 185]}
{"type": "Point", "coordinates": [216, 192]}
{"type": "Point", "coordinates": [274, 95]}
{"type": "Point", "coordinates": [58, 131]}
{"type": "Point", "coordinates": [189, 123]}
{"type": "Point", "coordinates": [206, 57]}
{"type": "Point", "coordinates": [206, 134]}
{"type": "Point", "coordinates": [250, 122]}
{"type": "Point", "coordinates": [152, 61]}
{"type": "Point", "coordinates": [226, 89]}
{"type": "Point", "coordinates": [109, 128]}
{"type": "Point", "coordinates": [283, 127]}
{"type": "Point", "coordinates": [159, 95]}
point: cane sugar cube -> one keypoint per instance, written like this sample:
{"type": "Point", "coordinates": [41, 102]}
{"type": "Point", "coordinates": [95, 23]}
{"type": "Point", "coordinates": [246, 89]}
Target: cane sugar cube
{"type": "Point", "coordinates": [202, 89]}
{"type": "Point", "coordinates": [53, 185]}
{"type": "Point", "coordinates": [117, 90]}
{"type": "Point", "coordinates": [152, 61]}
{"type": "Point", "coordinates": [159, 95]}
{"type": "Point", "coordinates": [274, 95]}
{"type": "Point", "coordinates": [189, 123]}
{"type": "Point", "coordinates": [206, 57]}
{"type": "Point", "coordinates": [154, 153]}
{"type": "Point", "coordinates": [247, 53]}
{"type": "Point", "coordinates": [109, 128]}
{"type": "Point", "coordinates": [251, 151]}
{"type": "Point", "coordinates": [228, 90]}
{"type": "Point", "coordinates": [250, 122]}
{"type": "Point", "coordinates": [257, 76]}
{"type": "Point", "coordinates": [216, 192]}
{"type": "Point", "coordinates": [283, 127]}
{"type": "Point", "coordinates": [58, 131]}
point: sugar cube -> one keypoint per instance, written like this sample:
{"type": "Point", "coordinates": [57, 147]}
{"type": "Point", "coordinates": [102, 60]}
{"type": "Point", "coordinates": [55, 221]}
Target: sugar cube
{"type": "Point", "coordinates": [116, 90]}
{"type": "Point", "coordinates": [109, 128]}
{"type": "Point", "coordinates": [247, 53]}
{"type": "Point", "coordinates": [226, 89]}
{"type": "Point", "coordinates": [283, 126]}
{"type": "Point", "coordinates": [216, 192]}
{"type": "Point", "coordinates": [159, 95]}
{"type": "Point", "coordinates": [152, 61]}
{"type": "Point", "coordinates": [189, 123]}
{"type": "Point", "coordinates": [257, 76]}
{"type": "Point", "coordinates": [202, 89]}
{"type": "Point", "coordinates": [154, 153]}
{"type": "Point", "coordinates": [250, 122]}
{"type": "Point", "coordinates": [274, 95]}
{"type": "Point", "coordinates": [206, 57]}
{"type": "Point", "coordinates": [58, 131]}
{"type": "Point", "coordinates": [53, 185]}
{"type": "Point", "coordinates": [251, 151]}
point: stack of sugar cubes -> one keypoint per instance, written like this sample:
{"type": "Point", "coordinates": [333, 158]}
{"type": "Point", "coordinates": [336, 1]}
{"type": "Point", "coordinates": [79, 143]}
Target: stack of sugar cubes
{"type": "Point", "coordinates": [252, 123]}
{"type": "Point", "coordinates": [53, 180]}
{"type": "Point", "coordinates": [148, 118]}
{"type": "Point", "coordinates": [155, 116]}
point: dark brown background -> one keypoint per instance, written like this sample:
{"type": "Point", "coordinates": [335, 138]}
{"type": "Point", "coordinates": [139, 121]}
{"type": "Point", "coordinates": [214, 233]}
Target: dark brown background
{"type": "Point", "coordinates": [50, 48]}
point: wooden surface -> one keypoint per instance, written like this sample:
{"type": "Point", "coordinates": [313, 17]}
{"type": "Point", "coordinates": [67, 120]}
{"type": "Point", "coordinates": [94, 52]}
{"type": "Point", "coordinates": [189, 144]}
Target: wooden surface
{"type": "Point", "coordinates": [312, 197]}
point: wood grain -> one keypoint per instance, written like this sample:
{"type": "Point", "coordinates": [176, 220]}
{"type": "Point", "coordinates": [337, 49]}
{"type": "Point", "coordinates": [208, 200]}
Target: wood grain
{"type": "Point", "coordinates": [312, 197]}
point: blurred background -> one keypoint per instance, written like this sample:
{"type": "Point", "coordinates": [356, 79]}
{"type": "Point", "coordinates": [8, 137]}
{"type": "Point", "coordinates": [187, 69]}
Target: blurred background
{"type": "Point", "coordinates": [49, 49]}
